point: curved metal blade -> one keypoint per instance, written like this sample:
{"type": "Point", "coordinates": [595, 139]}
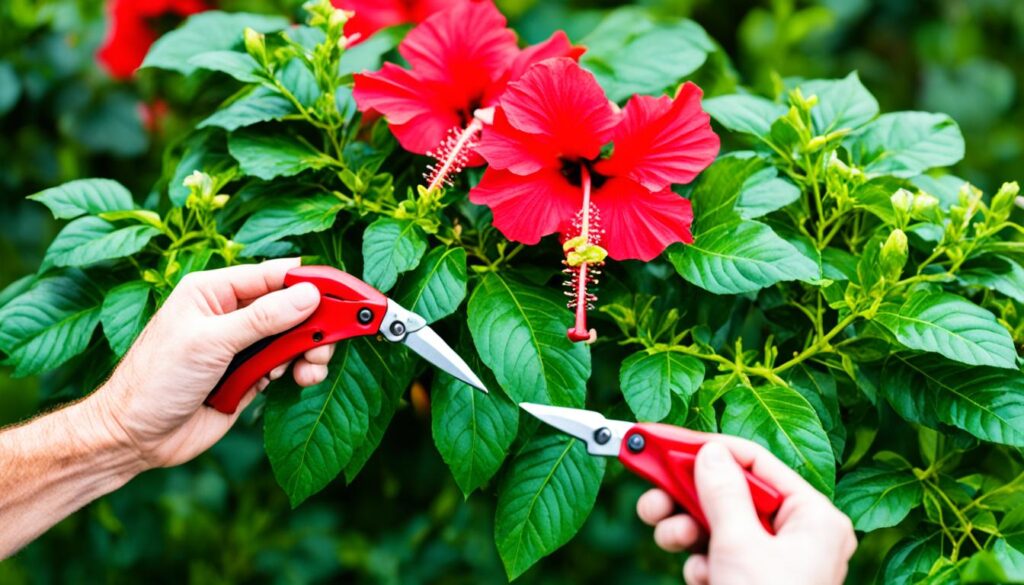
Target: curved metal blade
{"type": "Point", "coordinates": [432, 348]}
{"type": "Point", "coordinates": [584, 425]}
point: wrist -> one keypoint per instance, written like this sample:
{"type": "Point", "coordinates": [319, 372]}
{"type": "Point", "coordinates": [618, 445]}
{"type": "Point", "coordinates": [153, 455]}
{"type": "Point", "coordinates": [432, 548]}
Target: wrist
{"type": "Point", "coordinates": [95, 424]}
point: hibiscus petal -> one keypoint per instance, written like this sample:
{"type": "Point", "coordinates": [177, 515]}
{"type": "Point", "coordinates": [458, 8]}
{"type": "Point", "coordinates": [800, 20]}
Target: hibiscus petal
{"type": "Point", "coordinates": [418, 118]}
{"type": "Point", "coordinates": [505, 148]}
{"type": "Point", "coordinates": [662, 141]}
{"type": "Point", "coordinates": [527, 208]}
{"type": "Point", "coordinates": [557, 45]}
{"type": "Point", "coordinates": [563, 105]}
{"type": "Point", "coordinates": [639, 224]}
{"type": "Point", "coordinates": [467, 45]}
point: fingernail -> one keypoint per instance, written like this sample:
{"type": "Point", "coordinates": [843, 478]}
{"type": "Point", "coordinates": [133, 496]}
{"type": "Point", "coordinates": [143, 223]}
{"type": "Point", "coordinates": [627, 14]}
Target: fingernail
{"type": "Point", "coordinates": [305, 295]}
{"type": "Point", "coordinates": [715, 455]}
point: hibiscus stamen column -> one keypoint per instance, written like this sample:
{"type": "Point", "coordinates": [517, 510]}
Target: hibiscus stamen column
{"type": "Point", "coordinates": [584, 257]}
{"type": "Point", "coordinates": [452, 155]}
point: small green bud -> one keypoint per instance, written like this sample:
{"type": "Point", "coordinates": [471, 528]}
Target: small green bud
{"type": "Point", "coordinates": [902, 201]}
{"type": "Point", "coordinates": [151, 276]}
{"type": "Point", "coordinates": [925, 207]}
{"type": "Point", "coordinates": [200, 184]}
{"type": "Point", "coordinates": [219, 201]}
{"type": "Point", "coordinates": [894, 255]}
{"type": "Point", "coordinates": [255, 45]}
{"type": "Point", "coordinates": [816, 144]}
{"type": "Point", "coordinates": [1002, 201]}
{"type": "Point", "coordinates": [336, 21]}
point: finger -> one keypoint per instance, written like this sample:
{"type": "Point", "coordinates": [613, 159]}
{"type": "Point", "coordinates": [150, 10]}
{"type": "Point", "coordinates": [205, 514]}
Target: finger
{"type": "Point", "coordinates": [261, 385]}
{"type": "Point", "coordinates": [250, 281]}
{"type": "Point", "coordinates": [307, 374]}
{"type": "Point", "coordinates": [695, 571]}
{"type": "Point", "coordinates": [654, 506]}
{"type": "Point", "coordinates": [677, 533]}
{"type": "Point", "coordinates": [278, 371]}
{"type": "Point", "coordinates": [268, 315]}
{"type": "Point", "coordinates": [724, 494]}
{"type": "Point", "coordinates": [320, 355]}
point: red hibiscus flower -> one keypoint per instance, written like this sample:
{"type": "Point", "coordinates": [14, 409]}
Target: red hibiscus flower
{"type": "Point", "coordinates": [461, 59]}
{"type": "Point", "coordinates": [373, 15]}
{"type": "Point", "coordinates": [546, 171]}
{"type": "Point", "coordinates": [131, 31]}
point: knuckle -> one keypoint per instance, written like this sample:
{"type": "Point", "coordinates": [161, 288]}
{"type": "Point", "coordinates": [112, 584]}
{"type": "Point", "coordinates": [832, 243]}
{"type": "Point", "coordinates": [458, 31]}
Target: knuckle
{"type": "Point", "coordinates": [260, 318]}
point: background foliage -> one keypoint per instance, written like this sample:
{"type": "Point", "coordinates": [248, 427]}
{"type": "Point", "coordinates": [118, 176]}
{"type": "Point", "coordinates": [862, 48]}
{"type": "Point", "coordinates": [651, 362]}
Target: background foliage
{"type": "Point", "coordinates": [223, 518]}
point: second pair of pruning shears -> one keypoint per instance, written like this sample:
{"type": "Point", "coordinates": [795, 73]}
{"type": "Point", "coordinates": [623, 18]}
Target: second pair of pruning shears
{"type": "Point", "coordinates": [348, 308]}
{"type": "Point", "coordinates": [662, 454]}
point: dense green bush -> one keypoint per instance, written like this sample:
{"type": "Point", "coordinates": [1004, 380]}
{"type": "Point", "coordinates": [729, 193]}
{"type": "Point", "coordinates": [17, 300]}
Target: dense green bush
{"type": "Point", "coordinates": [846, 303]}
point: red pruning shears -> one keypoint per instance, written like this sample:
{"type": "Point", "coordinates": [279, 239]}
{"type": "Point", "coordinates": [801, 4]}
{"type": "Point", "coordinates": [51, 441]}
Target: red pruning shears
{"type": "Point", "coordinates": [662, 454]}
{"type": "Point", "coordinates": [348, 308]}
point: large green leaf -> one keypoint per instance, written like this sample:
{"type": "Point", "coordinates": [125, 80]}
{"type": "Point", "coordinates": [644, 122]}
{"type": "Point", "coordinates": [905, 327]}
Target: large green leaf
{"type": "Point", "coordinates": [878, 497]}
{"type": "Point", "coordinates": [284, 217]}
{"type": "Point", "coordinates": [234, 63]}
{"type": "Point", "coordinates": [719, 188]}
{"type": "Point", "coordinates": [906, 144]}
{"type": "Point", "coordinates": [391, 247]}
{"type": "Point", "coordinates": [520, 334]}
{"type": "Point", "coordinates": [747, 114]}
{"type": "Point", "coordinates": [204, 32]}
{"type": "Point", "coordinates": [785, 423]}
{"type": "Point", "coordinates": [740, 256]}
{"type": "Point", "coordinates": [436, 288]}
{"type": "Point", "coordinates": [649, 380]}
{"type": "Point", "coordinates": [268, 156]}
{"type": "Point", "coordinates": [544, 498]}
{"type": "Point", "coordinates": [124, 313]}
{"type": "Point", "coordinates": [10, 87]}
{"type": "Point", "coordinates": [842, 103]}
{"type": "Point", "coordinates": [311, 433]}
{"type": "Point", "coordinates": [630, 52]}
{"type": "Point", "coordinates": [85, 196]}
{"type": "Point", "coordinates": [262, 105]}
{"type": "Point", "coordinates": [952, 326]}
{"type": "Point", "coordinates": [998, 273]}
{"type": "Point", "coordinates": [912, 558]}
{"type": "Point", "coordinates": [50, 323]}
{"type": "Point", "coordinates": [394, 366]}
{"type": "Point", "coordinates": [765, 192]}
{"type": "Point", "coordinates": [89, 239]}
{"type": "Point", "coordinates": [472, 430]}
{"type": "Point", "coordinates": [819, 388]}
{"type": "Point", "coordinates": [986, 402]}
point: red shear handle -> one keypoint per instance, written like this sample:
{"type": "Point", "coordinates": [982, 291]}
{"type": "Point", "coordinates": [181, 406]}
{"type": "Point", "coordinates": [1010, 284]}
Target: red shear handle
{"type": "Point", "coordinates": [664, 456]}
{"type": "Point", "coordinates": [348, 308]}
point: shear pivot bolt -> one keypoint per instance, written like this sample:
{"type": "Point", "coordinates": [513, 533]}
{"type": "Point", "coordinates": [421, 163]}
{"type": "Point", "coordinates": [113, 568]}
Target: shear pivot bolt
{"type": "Point", "coordinates": [364, 316]}
{"type": "Point", "coordinates": [398, 328]}
{"type": "Point", "coordinates": [636, 443]}
{"type": "Point", "coordinates": [602, 436]}
{"type": "Point", "coordinates": [318, 336]}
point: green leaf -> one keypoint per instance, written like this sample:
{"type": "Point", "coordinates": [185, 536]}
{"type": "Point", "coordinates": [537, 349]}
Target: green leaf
{"type": "Point", "coordinates": [206, 151]}
{"type": "Point", "coordinates": [648, 381]}
{"type": "Point", "coordinates": [268, 156]}
{"type": "Point", "coordinates": [262, 105]}
{"type": "Point", "coordinates": [298, 79]}
{"type": "Point", "coordinates": [368, 55]}
{"type": "Point", "coordinates": [124, 313]}
{"type": "Point", "coordinates": [10, 87]}
{"type": "Point", "coordinates": [842, 103]}
{"type": "Point", "coordinates": [85, 196]}
{"type": "Point", "coordinates": [765, 192]}
{"type": "Point", "coordinates": [205, 32]}
{"type": "Point", "coordinates": [436, 288]}
{"type": "Point", "coordinates": [88, 240]}
{"type": "Point", "coordinates": [952, 326]}
{"type": "Point", "coordinates": [1011, 559]}
{"type": "Point", "coordinates": [544, 498]}
{"type": "Point", "coordinates": [875, 196]}
{"type": "Point", "coordinates": [284, 217]}
{"type": "Point", "coordinates": [912, 559]}
{"type": "Point", "coordinates": [236, 64]}
{"type": "Point", "coordinates": [782, 420]}
{"type": "Point", "coordinates": [311, 433]}
{"type": "Point", "coordinates": [472, 431]}
{"type": "Point", "coordinates": [520, 334]}
{"type": "Point", "coordinates": [394, 366]}
{"type": "Point", "coordinates": [720, 187]}
{"type": "Point", "coordinates": [747, 114]}
{"type": "Point", "coordinates": [906, 144]}
{"type": "Point", "coordinates": [391, 247]}
{"type": "Point", "coordinates": [630, 52]}
{"type": "Point", "coordinates": [986, 402]}
{"type": "Point", "coordinates": [819, 388]}
{"type": "Point", "coordinates": [740, 256]}
{"type": "Point", "coordinates": [50, 323]}
{"type": "Point", "coordinates": [997, 273]}
{"type": "Point", "coordinates": [878, 497]}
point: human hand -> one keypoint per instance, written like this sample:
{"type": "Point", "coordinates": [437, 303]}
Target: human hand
{"type": "Point", "coordinates": [154, 399]}
{"type": "Point", "coordinates": [813, 539]}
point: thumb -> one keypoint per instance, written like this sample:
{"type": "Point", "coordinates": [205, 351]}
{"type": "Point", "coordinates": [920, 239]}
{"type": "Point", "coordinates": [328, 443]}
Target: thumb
{"type": "Point", "coordinates": [724, 494]}
{"type": "Point", "coordinates": [269, 315]}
